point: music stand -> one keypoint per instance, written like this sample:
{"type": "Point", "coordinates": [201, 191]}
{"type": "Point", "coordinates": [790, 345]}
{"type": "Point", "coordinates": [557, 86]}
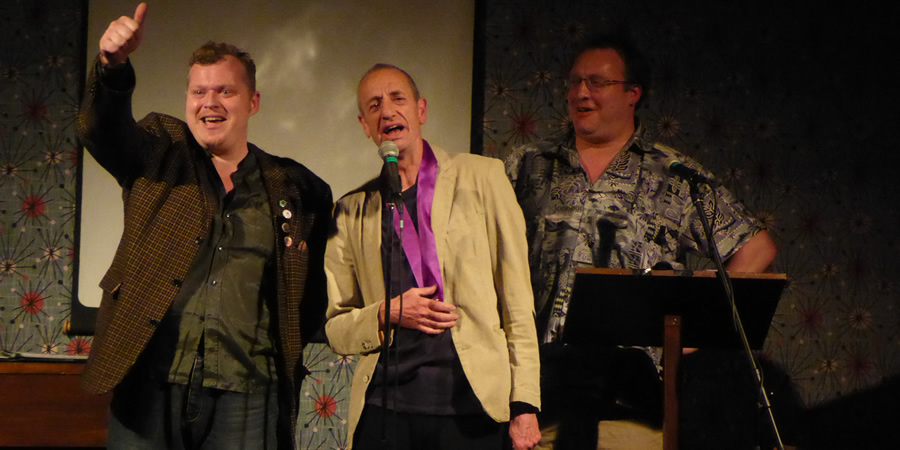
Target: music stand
{"type": "Point", "coordinates": [669, 309]}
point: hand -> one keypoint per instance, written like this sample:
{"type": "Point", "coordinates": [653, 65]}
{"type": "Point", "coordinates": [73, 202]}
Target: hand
{"type": "Point", "coordinates": [421, 312]}
{"type": "Point", "coordinates": [524, 431]}
{"type": "Point", "coordinates": [122, 38]}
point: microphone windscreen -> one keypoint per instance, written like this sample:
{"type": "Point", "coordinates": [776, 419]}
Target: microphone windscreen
{"type": "Point", "coordinates": [388, 148]}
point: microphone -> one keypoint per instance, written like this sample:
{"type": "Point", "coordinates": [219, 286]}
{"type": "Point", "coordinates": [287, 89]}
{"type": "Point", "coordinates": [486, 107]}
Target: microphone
{"type": "Point", "coordinates": [676, 167]}
{"type": "Point", "coordinates": [388, 151]}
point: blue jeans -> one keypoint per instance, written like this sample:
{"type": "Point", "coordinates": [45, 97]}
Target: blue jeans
{"type": "Point", "coordinates": [151, 414]}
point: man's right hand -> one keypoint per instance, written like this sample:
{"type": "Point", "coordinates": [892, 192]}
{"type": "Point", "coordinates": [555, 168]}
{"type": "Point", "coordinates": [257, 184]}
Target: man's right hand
{"type": "Point", "coordinates": [122, 38]}
{"type": "Point", "coordinates": [421, 312]}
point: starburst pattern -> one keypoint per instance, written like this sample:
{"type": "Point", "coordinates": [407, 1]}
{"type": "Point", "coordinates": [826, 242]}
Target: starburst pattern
{"type": "Point", "coordinates": [40, 82]}
{"type": "Point", "coordinates": [32, 302]}
{"type": "Point", "coordinates": [13, 254]}
{"type": "Point", "coordinates": [15, 160]}
{"type": "Point", "coordinates": [325, 400]}
{"type": "Point", "coordinates": [79, 346]}
{"type": "Point", "coordinates": [33, 205]}
{"type": "Point", "coordinates": [53, 260]}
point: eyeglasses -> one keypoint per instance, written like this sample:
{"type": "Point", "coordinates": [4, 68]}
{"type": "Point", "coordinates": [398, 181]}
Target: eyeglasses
{"type": "Point", "coordinates": [593, 83]}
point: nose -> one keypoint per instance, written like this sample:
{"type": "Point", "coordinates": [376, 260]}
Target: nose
{"type": "Point", "coordinates": [211, 99]}
{"type": "Point", "coordinates": [387, 110]}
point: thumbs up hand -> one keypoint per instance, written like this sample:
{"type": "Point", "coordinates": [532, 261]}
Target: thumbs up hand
{"type": "Point", "coordinates": [122, 38]}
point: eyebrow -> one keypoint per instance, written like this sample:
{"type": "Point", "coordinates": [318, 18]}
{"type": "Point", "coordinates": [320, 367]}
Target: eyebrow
{"type": "Point", "coordinates": [390, 94]}
{"type": "Point", "coordinates": [215, 86]}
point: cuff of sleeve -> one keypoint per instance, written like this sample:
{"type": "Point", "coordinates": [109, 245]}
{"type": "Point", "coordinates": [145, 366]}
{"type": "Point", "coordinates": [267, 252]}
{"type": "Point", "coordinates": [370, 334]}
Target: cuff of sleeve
{"type": "Point", "coordinates": [519, 408]}
{"type": "Point", "coordinates": [120, 78]}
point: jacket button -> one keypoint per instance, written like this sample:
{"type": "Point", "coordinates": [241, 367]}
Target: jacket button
{"type": "Point", "coordinates": [365, 379]}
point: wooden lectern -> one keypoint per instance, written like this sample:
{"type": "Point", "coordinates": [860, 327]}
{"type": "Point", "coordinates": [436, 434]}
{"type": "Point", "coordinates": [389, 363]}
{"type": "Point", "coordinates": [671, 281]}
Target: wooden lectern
{"type": "Point", "coordinates": [669, 309]}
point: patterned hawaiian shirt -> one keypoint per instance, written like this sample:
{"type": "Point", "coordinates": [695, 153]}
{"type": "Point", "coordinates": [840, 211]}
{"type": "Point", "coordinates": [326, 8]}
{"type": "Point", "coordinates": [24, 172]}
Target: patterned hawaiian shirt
{"type": "Point", "coordinates": [635, 216]}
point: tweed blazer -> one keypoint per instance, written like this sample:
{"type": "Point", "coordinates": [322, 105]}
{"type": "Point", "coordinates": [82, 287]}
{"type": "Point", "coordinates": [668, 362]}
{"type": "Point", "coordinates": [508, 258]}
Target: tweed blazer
{"type": "Point", "coordinates": [479, 232]}
{"type": "Point", "coordinates": [168, 203]}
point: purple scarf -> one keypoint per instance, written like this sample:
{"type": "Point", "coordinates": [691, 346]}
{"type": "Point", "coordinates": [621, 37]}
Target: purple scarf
{"type": "Point", "coordinates": [420, 248]}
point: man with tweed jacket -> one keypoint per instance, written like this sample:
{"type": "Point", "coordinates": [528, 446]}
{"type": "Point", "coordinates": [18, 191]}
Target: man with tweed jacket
{"type": "Point", "coordinates": [220, 263]}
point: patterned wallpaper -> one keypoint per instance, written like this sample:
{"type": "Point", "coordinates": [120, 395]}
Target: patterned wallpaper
{"type": "Point", "coordinates": [783, 104]}
{"type": "Point", "coordinates": [773, 100]}
{"type": "Point", "coordinates": [41, 77]}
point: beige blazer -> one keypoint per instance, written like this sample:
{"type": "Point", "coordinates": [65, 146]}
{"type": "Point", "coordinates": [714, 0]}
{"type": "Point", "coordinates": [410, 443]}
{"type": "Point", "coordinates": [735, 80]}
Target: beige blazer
{"type": "Point", "coordinates": [480, 236]}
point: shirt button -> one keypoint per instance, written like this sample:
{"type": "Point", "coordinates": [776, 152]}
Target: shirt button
{"type": "Point", "coordinates": [154, 322]}
{"type": "Point", "coordinates": [176, 283]}
{"type": "Point", "coordinates": [219, 249]}
{"type": "Point", "coordinates": [365, 379]}
{"type": "Point", "coordinates": [214, 282]}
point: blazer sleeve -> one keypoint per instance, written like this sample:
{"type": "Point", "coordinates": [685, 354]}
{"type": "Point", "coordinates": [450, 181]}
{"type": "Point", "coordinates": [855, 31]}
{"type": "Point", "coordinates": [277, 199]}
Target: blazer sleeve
{"type": "Point", "coordinates": [352, 320]}
{"type": "Point", "coordinates": [506, 228]}
{"type": "Point", "coordinates": [106, 126]}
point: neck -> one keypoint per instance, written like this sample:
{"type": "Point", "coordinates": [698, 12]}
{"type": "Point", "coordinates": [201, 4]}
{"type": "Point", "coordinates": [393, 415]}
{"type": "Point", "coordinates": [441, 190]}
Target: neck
{"type": "Point", "coordinates": [230, 155]}
{"type": "Point", "coordinates": [596, 156]}
{"type": "Point", "coordinates": [408, 165]}
{"type": "Point", "coordinates": [226, 163]}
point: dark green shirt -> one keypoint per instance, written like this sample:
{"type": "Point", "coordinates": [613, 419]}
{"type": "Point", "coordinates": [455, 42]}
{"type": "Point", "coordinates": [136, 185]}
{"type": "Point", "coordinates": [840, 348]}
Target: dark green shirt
{"type": "Point", "coordinates": [222, 309]}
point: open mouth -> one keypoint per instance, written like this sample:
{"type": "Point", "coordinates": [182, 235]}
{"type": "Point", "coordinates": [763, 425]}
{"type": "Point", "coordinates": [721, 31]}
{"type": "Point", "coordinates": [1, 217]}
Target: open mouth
{"type": "Point", "coordinates": [212, 119]}
{"type": "Point", "coordinates": [393, 129]}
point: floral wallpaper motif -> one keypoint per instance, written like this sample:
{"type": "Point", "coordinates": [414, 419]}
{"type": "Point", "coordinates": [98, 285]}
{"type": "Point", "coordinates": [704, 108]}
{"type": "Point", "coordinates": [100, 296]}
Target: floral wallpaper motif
{"type": "Point", "coordinates": [767, 99]}
{"type": "Point", "coordinates": [787, 105]}
{"type": "Point", "coordinates": [41, 77]}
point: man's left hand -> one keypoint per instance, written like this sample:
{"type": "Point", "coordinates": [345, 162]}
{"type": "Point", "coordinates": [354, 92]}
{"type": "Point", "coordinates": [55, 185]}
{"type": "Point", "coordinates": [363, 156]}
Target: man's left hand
{"type": "Point", "coordinates": [524, 431]}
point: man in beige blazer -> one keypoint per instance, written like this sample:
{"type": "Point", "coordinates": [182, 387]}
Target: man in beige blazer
{"type": "Point", "coordinates": [464, 337]}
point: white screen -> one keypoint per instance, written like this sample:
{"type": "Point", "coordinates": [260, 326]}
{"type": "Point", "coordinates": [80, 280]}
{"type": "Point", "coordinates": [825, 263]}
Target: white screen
{"type": "Point", "coordinates": [310, 56]}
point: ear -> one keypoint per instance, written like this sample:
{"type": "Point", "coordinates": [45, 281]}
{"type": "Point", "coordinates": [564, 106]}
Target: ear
{"type": "Point", "coordinates": [254, 103]}
{"type": "Point", "coordinates": [635, 93]}
{"type": "Point", "coordinates": [365, 126]}
{"type": "Point", "coordinates": [422, 106]}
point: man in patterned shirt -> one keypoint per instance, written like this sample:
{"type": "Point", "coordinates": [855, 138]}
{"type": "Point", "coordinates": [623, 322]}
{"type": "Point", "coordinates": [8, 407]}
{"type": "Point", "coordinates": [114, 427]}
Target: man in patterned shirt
{"type": "Point", "coordinates": [603, 197]}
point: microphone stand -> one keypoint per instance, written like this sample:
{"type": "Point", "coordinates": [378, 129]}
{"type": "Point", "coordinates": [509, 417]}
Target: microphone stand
{"type": "Point", "coordinates": [394, 200]}
{"type": "Point", "coordinates": [723, 277]}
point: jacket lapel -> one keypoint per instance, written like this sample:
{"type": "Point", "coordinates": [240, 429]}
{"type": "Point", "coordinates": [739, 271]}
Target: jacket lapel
{"type": "Point", "coordinates": [444, 188]}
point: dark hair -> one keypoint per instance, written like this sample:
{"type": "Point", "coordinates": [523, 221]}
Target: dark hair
{"type": "Point", "coordinates": [382, 66]}
{"type": "Point", "coordinates": [213, 52]}
{"type": "Point", "coordinates": [637, 70]}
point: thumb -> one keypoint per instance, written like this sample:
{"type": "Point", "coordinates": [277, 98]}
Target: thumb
{"type": "Point", "coordinates": [140, 12]}
{"type": "Point", "coordinates": [428, 290]}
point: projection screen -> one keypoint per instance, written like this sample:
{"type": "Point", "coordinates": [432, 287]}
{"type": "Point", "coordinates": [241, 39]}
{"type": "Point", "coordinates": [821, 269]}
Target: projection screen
{"type": "Point", "coordinates": [310, 56]}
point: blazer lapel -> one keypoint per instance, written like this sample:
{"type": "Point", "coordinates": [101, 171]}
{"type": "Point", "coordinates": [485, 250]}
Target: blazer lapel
{"type": "Point", "coordinates": [444, 189]}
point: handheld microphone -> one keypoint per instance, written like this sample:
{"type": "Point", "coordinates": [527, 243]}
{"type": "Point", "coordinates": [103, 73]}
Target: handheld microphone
{"type": "Point", "coordinates": [676, 167]}
{"type": "Point", "coordinates": [388, 151]}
